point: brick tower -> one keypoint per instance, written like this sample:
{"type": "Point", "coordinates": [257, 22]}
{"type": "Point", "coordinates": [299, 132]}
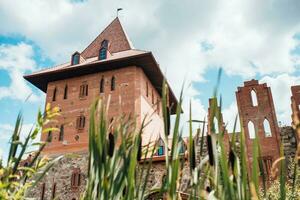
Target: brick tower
{"type": "Point", "coordinates": [108, 66]}
{"type": "Point", "coordinates": [257, 115]}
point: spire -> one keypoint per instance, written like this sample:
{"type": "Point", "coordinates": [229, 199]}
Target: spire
{"type": "Point", "coordinates": [116, 37]}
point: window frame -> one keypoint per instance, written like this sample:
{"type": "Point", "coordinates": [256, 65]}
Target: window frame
{"type": "Point", "coordinates": [75, 55]}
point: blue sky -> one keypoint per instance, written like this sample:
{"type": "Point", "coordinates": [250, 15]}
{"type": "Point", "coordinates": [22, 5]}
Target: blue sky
{"type": "Point", "coordinates": [248, 39]}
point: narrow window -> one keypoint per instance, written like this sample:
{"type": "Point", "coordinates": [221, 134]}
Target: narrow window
{"type": "Point", "coordinates": [61, 133]}
{"type": "Point", "coordinates": [66, 92]}
{"type": "Point", "coordinates": [49, 137]}
{"type": "Point", "coordinates": [53, 190]}
{"type": "Point", "coordinates": [168, 125]}
{"type": "Point", "coordinates": [251, 130]}
{"type": "Point", "coordinates": [216, 125]}
{"type": "Point", "coordinates": [267, 128]}
{"type": "Point", "coordinates": [75, 59]}
{"type": "Point", "coordinates": [102, 53]}
{"type": "Point", "coordinates": [160, 150]}
{"type": "Point", "coordinates": [147, 89]}
{"type": "Point", "coordinates": [267, 164]}
{"type": "Point", "coordinates": [43, 191]}
{"type": "Point", "coordinates": [254, 98]}
{"type": "Point", "coordinates": [83, 90]}
{"type": "Point", "coordinates": [113, 83]}
{"type": "Point", "coordinates": [80, 123]}
{"type": "Point", "coordinates": [182, 148]}
{"type": "Point", "coordinates": [76, 178]}
{"type": "Point", "coordinates": [102, 85]}
{"type": "Point", "coordinates": [54, 94]}
{"type": "Point", "coordinates": [111, 144]}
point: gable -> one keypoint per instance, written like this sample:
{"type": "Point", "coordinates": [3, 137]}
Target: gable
{"type": "Point", "coordinates": [116, 36]}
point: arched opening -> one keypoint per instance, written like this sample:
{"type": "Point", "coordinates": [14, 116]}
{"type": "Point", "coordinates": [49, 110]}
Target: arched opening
{"type": "Point", "coordinates": [251, 130]}
{"type": "Point", "coordinates": [111, 144]}
{"type": "Point", "coordinates": [113, 84]}
{"type": "Point", "coordinates": [66, 92]}
{"type": "Point", "coordinates": [216, 125]}
{"type": "Point", "coordinates": [267, 128]}
{"type": "Point", "coordinates": [102, 85]}
{"type": "Point", "coordinates": [54, 94]}
{"type": "Point", "coordinates": [254, 98]}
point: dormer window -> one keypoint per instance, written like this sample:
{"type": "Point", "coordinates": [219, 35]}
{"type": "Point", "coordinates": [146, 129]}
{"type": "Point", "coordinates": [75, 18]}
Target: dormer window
{"type": "Point", "coordinates": [75, 59]}
{"type": "Point", "coordinates": [103, 50]}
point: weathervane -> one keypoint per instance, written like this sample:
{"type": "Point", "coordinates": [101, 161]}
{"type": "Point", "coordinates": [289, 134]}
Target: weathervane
{"type": "Point", "coordinates": [119, 9]}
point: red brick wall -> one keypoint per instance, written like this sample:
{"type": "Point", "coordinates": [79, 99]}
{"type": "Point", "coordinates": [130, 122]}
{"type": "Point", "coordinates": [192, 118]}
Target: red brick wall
{"type": "Point", "coordinates": [264, 110]}
{"type": "Point", "coordinates": [125, 99]}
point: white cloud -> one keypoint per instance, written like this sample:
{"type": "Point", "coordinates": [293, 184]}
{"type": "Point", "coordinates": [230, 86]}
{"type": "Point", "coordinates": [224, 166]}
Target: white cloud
{"type": "Point", "coordinates": [16, 60]}
{"type": "Point", "coordinates": [245, 37]}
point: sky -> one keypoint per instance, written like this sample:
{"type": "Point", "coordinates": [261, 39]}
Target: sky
{"type": "Point", "coordinates": [191, 40]}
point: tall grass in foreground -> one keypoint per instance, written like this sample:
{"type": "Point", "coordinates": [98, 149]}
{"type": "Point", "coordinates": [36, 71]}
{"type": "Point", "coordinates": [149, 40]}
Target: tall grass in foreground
{"type": "Point", "coordinates": [119, 166]}
{"type": "Point", "coordinates": [220, 174]}
{"type": "Point", "coordinates": [22, 171]}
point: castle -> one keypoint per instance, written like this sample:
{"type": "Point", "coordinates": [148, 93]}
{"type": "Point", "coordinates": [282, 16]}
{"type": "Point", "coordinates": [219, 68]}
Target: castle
{"type": "Point", "coordinates": [110, 66]}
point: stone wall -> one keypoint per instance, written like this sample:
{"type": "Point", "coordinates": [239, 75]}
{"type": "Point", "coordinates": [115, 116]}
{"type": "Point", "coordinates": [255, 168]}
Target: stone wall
{"type": "Point", "coordinates": [60, 174]}
{"type": "Point", "coordinates": [288, 139]}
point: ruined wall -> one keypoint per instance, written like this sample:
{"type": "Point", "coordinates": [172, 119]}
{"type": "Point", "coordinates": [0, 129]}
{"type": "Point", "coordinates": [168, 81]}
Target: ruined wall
{"type": "Point", "coordinates": [255, 106]}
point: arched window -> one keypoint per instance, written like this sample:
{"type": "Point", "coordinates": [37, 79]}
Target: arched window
{"type": "Point", "coordinates": [75, 59]}
{"type": "Point", "coordinates": [251, 130]}
{"type": "Point", "coordinates": [161, 149]}
{"type": "Point", "coordinates": [61, 133]}
{"type": "Point", "coordinates": [267, 128]}
{"type": "Point", "coordinates": [49, 137]}
{"type": "Point", "coordinates": [54, 94]}
{"type": "Point", "coordinates": [102, 54]}
{"type": "Point", "coordinates": [113, 83]}
{"type": "Point", "coordinates": [182, 148]}
{"type": "Point", "coordinates": [102, 85]}
{"type": "Point", "coordinates": [111, 144]}
{"type": "Point", "coordinates": [254, 98]}
{"type": "Point", "coordinates": [66, 92]}
{"type": "Point", "coordinates": [216, 125]}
